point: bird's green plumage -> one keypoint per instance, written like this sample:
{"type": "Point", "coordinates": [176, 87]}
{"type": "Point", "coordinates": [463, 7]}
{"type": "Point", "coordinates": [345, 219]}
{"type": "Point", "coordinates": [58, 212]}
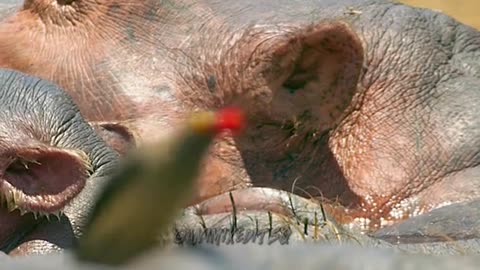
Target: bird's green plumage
{"type": "Point", "coordinates": [142, 198]}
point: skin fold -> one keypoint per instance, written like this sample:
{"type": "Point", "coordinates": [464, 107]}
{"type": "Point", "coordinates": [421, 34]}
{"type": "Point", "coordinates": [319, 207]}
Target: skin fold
{"type": "Point", "coordinates": [369, 107]}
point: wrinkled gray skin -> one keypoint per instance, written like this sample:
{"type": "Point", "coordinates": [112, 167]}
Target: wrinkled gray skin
{"type": "Point", "coordinates": [51, 117]}
{"type": "Point", "coordinates": [462, 222]}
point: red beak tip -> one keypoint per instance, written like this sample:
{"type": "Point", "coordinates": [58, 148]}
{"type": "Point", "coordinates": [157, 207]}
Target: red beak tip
{"type": "Point", "coordinates": [230, 118]}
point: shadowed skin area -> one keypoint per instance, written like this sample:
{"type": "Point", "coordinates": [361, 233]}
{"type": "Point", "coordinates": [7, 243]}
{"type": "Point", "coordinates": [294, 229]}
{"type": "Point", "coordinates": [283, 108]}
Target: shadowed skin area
{"type": "Point", "coordinates": [368, 105]}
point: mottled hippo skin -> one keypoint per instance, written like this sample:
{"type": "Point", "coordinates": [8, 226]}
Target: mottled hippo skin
{"type": "Point", "coordinates": [369, 105]}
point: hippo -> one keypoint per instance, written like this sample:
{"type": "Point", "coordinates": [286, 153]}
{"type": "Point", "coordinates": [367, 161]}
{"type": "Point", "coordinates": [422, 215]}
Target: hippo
{"type": "Point", "coordinates": [364, 108]}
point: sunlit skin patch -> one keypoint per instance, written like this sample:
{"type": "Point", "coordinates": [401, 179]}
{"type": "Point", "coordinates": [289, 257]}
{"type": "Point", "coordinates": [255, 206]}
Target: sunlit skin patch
{"type": "Point", "coordinates": [42, 181]}
{"type": "Point", "coordinates": [372, 215]}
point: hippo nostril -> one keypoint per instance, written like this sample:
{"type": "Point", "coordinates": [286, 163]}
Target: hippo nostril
{"type": "Point", "coordinates": [43, 178]}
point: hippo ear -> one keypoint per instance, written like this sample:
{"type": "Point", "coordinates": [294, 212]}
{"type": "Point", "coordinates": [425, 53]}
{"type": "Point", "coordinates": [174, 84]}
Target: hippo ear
{"type": "Point", "coordinates": [314, 69]}
{"type": "Point", "coordinates": [118, 136]}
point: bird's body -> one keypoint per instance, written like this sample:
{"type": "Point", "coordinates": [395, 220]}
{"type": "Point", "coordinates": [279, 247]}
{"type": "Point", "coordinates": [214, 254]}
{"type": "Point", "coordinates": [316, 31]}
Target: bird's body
{"type": "Point", "coordinates": [143, 197]}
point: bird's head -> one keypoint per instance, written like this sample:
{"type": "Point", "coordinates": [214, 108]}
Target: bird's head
{"type": "Point", "coordinates": [216, 122]}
